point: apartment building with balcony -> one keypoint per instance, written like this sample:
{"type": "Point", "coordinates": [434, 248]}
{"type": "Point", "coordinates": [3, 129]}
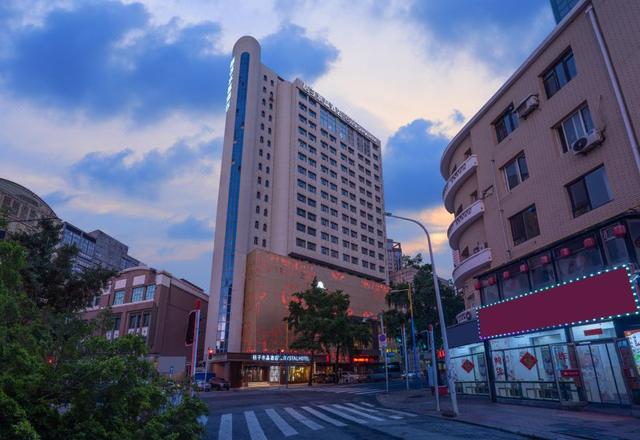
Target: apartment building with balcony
{"type": "Point", "coordinates": [544, 183]}
{"type": "Point", "coordinates": [155, 305]}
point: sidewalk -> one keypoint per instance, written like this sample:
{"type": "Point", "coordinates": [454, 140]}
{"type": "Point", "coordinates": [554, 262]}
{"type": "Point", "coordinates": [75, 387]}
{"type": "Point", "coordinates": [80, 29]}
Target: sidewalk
{"type": "Point", "coordinates": [542, 423]}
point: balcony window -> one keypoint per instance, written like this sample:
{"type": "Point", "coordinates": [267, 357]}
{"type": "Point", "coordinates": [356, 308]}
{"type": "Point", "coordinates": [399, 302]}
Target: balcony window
{"type": "Point", "coordinates": [615, 246]}
{"type": "Point", "coordinates": [541, 271]}
{"type": "Point", "coordinates": [524, 225]}
{"type": "Point", "coordinates": [514, 281]}
{"type": "Point", "coordinates": [578, 258]}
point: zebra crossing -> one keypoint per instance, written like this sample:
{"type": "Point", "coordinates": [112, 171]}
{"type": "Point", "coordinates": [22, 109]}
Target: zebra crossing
{"type": "Point", "coordinates": [359, 391]}
{"type": "Point", "coordinates": [289, 421]}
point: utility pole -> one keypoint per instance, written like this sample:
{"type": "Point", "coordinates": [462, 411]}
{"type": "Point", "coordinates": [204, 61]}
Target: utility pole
{"type": "Point", "coordinates": [383, 346]}
{"type": "Point", "coordinates": [404, 350]}
{"type": "Point", "coordinates": [434, 365]}
{"type": "Point", "coordinates": [416, 367]}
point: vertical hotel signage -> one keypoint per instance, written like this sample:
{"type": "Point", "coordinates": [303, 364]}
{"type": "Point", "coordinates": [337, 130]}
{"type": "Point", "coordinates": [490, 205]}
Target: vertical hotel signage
{"type": "Point", "coordinates": [230, 85]}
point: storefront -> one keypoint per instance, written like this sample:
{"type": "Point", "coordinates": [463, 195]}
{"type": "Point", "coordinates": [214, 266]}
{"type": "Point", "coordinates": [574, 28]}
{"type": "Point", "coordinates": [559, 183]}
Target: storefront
{"type": "Point", "coordinates": [263, 369]}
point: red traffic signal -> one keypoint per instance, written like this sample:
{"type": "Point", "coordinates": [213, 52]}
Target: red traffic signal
{"type": "Point", "coordinates": [210, 353]}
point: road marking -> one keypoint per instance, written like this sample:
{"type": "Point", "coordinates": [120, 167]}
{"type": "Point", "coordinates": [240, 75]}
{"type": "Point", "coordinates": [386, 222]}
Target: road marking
{"type": "Point", "coordinates": [375, 411]}
{"type": "Point", "coordinates": [368, 392]}
{"type": "Point", "coordinates": [395, 411]}
{"type": "Point", "coordinates": [283, 426]}
{"type": "Point", "coordinates": [358, 413]}
{"type": "Point", "coordinates": [304, 420]}
{"type": "Point", "coordinates": [343, 415]}
{"type": "Point", "coordinates": [322, 416]}
{"type": "Point", "coordinates": [224, 433]}
{"type": "Point", "coordinates": [255, 431]}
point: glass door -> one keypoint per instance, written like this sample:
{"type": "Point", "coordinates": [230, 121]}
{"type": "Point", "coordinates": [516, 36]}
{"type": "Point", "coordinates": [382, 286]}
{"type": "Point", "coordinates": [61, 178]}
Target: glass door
{"type": "Point", "coordinates": [602, 373]}
{"type": "Point", "coordinates": [567, 374]}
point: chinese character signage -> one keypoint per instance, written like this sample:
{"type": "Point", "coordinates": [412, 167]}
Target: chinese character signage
{"type": "Point", "coordinates": [268, 357]}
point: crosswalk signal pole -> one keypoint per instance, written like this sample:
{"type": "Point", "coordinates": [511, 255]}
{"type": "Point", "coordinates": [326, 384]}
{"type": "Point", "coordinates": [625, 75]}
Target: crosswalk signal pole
{"type": "Point", "coordinates": [383, 347]}
{"type": "Point", "coordinates": [434, 364]}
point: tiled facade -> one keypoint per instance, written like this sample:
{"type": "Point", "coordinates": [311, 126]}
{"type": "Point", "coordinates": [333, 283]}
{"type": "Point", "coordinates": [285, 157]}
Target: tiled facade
{"type": "Point", "coordinates": [155, 305]}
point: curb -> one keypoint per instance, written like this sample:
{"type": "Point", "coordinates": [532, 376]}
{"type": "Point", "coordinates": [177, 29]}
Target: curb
{"type": "Point", "coordinates": [502, 429]}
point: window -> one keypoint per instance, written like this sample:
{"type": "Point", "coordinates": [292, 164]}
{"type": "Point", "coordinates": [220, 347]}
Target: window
{"type": "Point", "coordinates": [301, 227]}
{"type": "Point", "coordinates": [300, 242]}
{"type": "Point", "coordinates": [311, 246]}
{"type": "Point", "coordinates": [561, 73]}
{"type": "Point", "coordinates": [589, 191]}
{"type": "Point", "coordinates": [577, 258]}
{"type": "Point", "coordinates": [118, 297]}
{"type": "Point", "coordinates": [506, 123]}
{"type": "Point", "coordinates": [150, 292]}
{"type": "Point", "coordinates": [524, 225]}
{"type": "Point", "coordinates": [137, 294]}
{"type": "Point", "coordinates": [515, 172]}
{"type": "Point", "coordinates": [577, 125]}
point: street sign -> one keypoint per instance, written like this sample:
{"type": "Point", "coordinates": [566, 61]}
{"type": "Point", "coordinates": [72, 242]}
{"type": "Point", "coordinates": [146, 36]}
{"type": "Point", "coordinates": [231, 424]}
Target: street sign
{"type": "Point", "coordinates": [382, 339]}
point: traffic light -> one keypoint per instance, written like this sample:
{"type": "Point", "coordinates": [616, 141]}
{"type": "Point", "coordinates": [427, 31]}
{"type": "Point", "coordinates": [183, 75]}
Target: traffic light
{"type": "Point", "coordinates": [210, 353]}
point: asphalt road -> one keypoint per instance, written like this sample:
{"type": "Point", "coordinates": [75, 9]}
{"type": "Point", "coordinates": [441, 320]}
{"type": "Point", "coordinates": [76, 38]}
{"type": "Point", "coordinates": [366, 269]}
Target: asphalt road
{"type": "Point", "coordinates": [332, 412]}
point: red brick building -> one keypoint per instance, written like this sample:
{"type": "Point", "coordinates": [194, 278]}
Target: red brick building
{"type": "Point", "coordinates": [155, 304]}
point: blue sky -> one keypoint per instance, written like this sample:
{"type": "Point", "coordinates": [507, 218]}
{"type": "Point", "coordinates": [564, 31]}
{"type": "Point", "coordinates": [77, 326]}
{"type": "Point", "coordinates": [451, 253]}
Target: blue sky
{"type": "Point", "coordinates": [113, 110]}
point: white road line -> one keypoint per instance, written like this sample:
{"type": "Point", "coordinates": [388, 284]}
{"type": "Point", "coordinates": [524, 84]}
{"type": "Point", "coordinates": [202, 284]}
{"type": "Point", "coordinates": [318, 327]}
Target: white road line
{"type": "Point", "coordinates": [255, 431]}
{"type": "Point", "coordinates": [343, 415]}
{"type": "Point", "coordinates": [287, 430]}
{"type": "Point", "coordinates": [358, 413]}
{"type": "Point", "coordinates": [224, 433]}
{"type": "Point", "coordinates": [360, 393]}
{"type": "Point", "coordinates": [395, 411]}
{"type": "Point", "coordinates": [375, 411]}
{"type": "Point", "coordinates": [304, 420]}
{"type": "Point", "coordinates": [322, 416]}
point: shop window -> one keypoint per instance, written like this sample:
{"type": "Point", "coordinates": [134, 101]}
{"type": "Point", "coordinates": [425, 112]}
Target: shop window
{"type": "Point", "coordinates": [490, 292]}
{"type": "Point", "coordinates": [577, 258]}
{"type": "Point", "coordinates": [515, 280]}
{"type": "Point", "coordinates": [541, 271]}
{"type": "Point", "coordinates": [589, 332]}
{"type": "Point", "coordinates": [634, 231]}
{"type": "Point", "coordinates": [615, 246]}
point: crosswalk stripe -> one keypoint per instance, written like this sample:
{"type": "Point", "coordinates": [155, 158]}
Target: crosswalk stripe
{"type": "Point", "coordinates": [255, 431]}
{"type": "Point", "coordinates": [304, 420]}
{"type": "Point", "coordinates": [324, 417]}
{"type": "Point", "coordinates": [358, 413]}
{"type": "Point", "coordinates": [361, 393]}
{"type": "Point", "coordinates": [283, 426]}
{"type": "Point", "coordinates": [395, 411]}
{"type": "Point", "coordinates": [375, 411]}
{"type": "Point", "coordinates": [224, 433]}
{"type": "Point", "coordinates": [343, 415]}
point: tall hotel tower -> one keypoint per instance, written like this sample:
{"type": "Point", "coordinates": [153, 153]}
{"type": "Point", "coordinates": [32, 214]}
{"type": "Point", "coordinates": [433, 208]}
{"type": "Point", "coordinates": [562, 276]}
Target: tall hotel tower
{"type": "Point", "coordinates": [300, 197]}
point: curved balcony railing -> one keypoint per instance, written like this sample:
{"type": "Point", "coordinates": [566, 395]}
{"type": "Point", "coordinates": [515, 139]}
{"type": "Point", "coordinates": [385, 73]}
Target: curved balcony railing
{"type": "Point", "coordinates": [466, 169]}
{"type": "Point", "coordinates": [471, 266]}
{"type": "Point", "coordinates": [462, 221]}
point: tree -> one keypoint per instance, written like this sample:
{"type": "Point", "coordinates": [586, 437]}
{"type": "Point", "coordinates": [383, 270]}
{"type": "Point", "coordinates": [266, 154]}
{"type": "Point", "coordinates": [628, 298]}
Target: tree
{"type": "Point", "coordinates": [424, 304]}
{"type": "Point", "coordinates": [60, 381]}
{"type": "Point", "coordinates": [321, 322]}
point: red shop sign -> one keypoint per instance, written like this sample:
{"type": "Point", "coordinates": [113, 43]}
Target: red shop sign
{"type": "Point", "coordinates": [570, 373]}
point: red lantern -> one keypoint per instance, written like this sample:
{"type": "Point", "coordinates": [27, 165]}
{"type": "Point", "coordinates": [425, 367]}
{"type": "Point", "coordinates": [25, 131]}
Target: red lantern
{"type": "Point", "coordinates": [619, 231]}
{"type": "Point", "coordinates": [524, 268]}
{"type": "Point", "coordinates": [491, 281]}
{"type": "Point", "coordinates": [589, 242]}
{"type": "Point", "coordinates": [565, 252]}
{"type": "Point", "coordinates": [545, 259]}
{"type": "Point", "coordinates": [478, 285]}
{"type": "Point", "coordinates": [506, 275]}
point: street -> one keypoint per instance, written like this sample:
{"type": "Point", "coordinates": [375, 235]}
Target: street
{"type": "Point", "coordinates": [321, 412]}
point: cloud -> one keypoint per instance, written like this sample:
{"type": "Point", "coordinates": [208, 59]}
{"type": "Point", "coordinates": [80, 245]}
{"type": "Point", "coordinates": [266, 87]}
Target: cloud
{"type": "Point", "coordinates": [107, 58]}
{"type": "Point", "coordinates": [457, 117]}
{"type": "Point", "coordinates": [143, 177]}
{"type": "Point", "coordinates": [190, 229]}
{"type": "Point", "coordinates": [58, 198]}
{"type": "Point", "coordinates": [292, 54]}
{"type": "Point", "coordinates": [411, 166]}
{"type": "Point", "coordinates": [502, 32]}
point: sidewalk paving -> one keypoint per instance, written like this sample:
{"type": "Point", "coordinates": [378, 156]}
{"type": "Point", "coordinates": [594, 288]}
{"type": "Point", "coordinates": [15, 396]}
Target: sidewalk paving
{"type": "Point", "coordinates": [541, 423]}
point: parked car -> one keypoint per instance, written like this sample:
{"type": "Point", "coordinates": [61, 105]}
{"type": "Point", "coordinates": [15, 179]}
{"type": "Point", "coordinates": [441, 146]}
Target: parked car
{"type": "Point", "coordinates": [219, 384]}
{"type": "Point", "coordinates": [201, 385]}
{"type": "Point", "coordinates": [350, 377]}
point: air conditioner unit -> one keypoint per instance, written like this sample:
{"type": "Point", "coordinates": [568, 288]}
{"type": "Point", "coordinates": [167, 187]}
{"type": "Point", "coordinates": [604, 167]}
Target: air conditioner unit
{"type": "Point", "coordinates": [529, 104]}
{"type": "Point", "coordinates": [588, 142]}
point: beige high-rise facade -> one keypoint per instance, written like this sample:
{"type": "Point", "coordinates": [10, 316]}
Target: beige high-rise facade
{"type": "Point", "coordinates": [544, 182]}
{"type": "Point", "coordinates": [300, 179]}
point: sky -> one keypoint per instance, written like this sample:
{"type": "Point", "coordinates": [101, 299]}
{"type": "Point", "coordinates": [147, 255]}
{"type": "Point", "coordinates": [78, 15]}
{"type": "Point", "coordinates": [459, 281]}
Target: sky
{"type": "Point", "coordinates": [113, 111]}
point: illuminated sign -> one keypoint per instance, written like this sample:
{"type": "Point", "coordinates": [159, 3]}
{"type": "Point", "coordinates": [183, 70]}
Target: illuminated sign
{"type": "Point", "coordinates": [229, 86]}
{"type": "Point", "coordinates": [269, 357]}
{"type": "Point", "coordinates": [362, 359]}
{"type": "Point", "coordinates": [603, 295]}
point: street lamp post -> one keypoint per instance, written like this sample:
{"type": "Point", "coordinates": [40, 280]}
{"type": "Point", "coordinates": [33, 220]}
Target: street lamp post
{"type": "Point", "coordinates": [443, 329]}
